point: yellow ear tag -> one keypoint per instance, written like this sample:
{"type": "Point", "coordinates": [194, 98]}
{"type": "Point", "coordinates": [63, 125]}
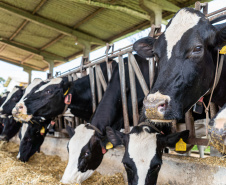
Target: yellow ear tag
{"type": "Point", "coordinates": [66, 92]}
{"type": "Point", "coordinates": [181, 145]}
{"type": "Point", "coordinates": [223, 50]}
{"type": "Point", "coordinates": [42, 131]}
{"type": "Point", "coordinates": [109, 145]}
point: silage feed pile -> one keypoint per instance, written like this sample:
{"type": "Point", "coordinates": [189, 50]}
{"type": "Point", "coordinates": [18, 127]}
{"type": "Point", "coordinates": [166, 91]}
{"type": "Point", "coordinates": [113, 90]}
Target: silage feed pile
{"type": "Point", "coordinates": [41, 169]}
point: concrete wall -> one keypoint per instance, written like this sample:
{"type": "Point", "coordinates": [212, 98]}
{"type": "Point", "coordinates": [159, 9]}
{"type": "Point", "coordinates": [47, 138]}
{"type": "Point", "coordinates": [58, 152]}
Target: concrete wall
{"type": "Point", "coordinates": [174, 171]}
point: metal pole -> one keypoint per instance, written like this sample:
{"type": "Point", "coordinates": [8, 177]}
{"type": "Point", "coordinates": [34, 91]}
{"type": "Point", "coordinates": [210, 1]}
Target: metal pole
{"type": "Point", "coordinates": [76, 121]}
{"type": "Point", "coordinates": [133, 93]}
{"type": "Point", "coordinates": [189, 120]}
{"type": "Point", "coordinates": [101, 77]}
{"type": "Point", "coordinates": [123, 93]}
{"type": "Point", "coordinates": [92, 86]}
{"type": "Point", "coordinates": [151, 71]}
{"type": "Point", "coordinates": [139, 74]}
{"type": "Point", "coordinates": [99, 89]}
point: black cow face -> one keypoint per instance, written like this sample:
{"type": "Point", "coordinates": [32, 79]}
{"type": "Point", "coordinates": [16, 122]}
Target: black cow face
{"type": "Point", "coordinates": [11, 100]}
{"type": "Point", "coordinates": [143, 152]}
{"type": "Point", "coordinates": [186, 56]}
{"type": "Point", "coordinates": [32, 136]}
{"type": "Point", "coordinates": [47, 101]}
{"type": "Point", "coordinates": [10, 129]}
{"type": "Point", "coordinates": [85, 155]}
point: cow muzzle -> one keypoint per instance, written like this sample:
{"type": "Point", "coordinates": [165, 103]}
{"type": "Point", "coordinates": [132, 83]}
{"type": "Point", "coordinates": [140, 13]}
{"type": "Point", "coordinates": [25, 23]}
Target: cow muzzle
{"type": "Point", "coordinates": [20, 112]}
{"type": "Point", "coordinates": [3, 138]}
{"type": "Point", "coordinates": [155, 106]}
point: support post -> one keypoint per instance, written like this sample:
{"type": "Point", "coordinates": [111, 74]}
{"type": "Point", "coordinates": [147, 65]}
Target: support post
{"type": "Point", "coordinates": [109, 64]}
{"type": "Point", "coordinates": [29, 71]}
{"type": "Point", "coordinates": [51, 66]}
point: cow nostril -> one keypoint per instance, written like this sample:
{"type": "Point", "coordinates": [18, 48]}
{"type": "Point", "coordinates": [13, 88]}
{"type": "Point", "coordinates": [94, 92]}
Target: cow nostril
{"type": "Point", "coordinates": [21, 107]}
{"type": "Point", "coordinates": [162, 107]}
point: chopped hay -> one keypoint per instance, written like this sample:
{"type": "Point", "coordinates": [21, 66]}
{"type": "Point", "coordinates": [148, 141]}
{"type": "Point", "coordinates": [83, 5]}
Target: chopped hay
{"type": "Point", "coordinates": [41, 169]}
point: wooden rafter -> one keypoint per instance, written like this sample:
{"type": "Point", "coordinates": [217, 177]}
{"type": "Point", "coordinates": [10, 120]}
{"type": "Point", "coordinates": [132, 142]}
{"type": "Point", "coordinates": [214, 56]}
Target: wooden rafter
{"type": "Point", "coordinates": [18, 63]}
{"type": "Point", "coordinates": [50, 24]}
{"type": "Point", "coordinates": [33, 50]}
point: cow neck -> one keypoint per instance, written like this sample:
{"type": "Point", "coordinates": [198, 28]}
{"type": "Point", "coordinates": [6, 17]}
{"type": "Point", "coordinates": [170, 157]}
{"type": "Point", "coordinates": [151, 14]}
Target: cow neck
{"type": "Point", "coordinates": [81, 104]}
{"type": "Point", "coordinates": [110, 105]}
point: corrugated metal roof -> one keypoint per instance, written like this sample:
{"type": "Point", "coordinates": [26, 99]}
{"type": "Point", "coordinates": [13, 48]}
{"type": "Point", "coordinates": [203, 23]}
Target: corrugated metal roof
{"type": "Point", "coordinates": [33, 31]}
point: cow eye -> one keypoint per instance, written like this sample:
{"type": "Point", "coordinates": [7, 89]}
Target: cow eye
{"type": "Point", "coordinates": [197, 49]}
{"type": "Point", "coordinates": [87, 154]}
{"type": "Point", "coordinates": [48, 92]}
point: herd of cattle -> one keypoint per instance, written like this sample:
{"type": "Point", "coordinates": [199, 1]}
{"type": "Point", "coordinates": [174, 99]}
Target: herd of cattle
{"type": "Point", "coordinates": [186, 55]}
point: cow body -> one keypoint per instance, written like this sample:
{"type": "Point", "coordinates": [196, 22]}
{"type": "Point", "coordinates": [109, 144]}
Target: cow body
{"type": "Point", "coordinates": [186, 54]}
{"type": "Point", "coordinates": [84, 161]}
{"type": "Point", "coordinates": [143, 150]}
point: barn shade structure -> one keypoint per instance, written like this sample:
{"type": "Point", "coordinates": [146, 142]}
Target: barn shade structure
{"type": "Point", "coordinates": [39, 35]}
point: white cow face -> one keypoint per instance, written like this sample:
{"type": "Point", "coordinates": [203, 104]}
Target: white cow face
{"type": "Point", "coordinates": [143, 152]}
{"type": "Point", "coordinates": [85, 155]}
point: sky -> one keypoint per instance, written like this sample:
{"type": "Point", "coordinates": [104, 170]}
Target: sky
{"type": "Point", "coordinates": [9, 70]}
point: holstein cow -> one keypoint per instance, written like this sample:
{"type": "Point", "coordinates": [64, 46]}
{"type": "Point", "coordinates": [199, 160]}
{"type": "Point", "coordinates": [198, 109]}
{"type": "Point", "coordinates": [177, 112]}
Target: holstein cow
{"type": "Point", "coordinates": [31, 136]}
{"type": "Point", "coordinates": [217, 130]}
{"type": "Point", "coordinates": [88, 145]}
{"type": "Point", "coordinates": [11, 127]}
{"type": "Point", "coordinates": [2, 99]}
{"type": "Point", "coordinates": [143, 150]}
{"type": "Point", "coordinates": [48, 100]}
{"type": "Point", "coordinates": [186, 54]}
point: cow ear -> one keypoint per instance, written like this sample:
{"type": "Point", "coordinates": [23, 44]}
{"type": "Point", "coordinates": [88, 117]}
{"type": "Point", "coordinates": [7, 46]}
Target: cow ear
{"type": "Point", "coordinates": [144, 47]}
{"type": "Point", "coordinates": [70, 131]}
{"type": "Point", "coordinates": [220, 38]}
{"type": "Point", "coordinates": [172, 139]}
{"type": "Point", "coordinates": [114, 136]}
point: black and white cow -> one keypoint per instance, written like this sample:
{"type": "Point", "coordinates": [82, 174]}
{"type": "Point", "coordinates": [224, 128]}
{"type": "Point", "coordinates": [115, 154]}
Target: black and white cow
{"type": "Point", "coordinates": [11, 100]}
{"type": "Point", "coordinates": [186, 55]}
{"type": "Point", "coordinates": [217, 130]}
{"type": "Point", "coordinates": [48, 100]}
{"type": "Point", "coordinates": [143, 151]}
{"type": "Point", "coordinates": [11, 127]}
{"type": "Point", "coordinates": [31, 136]}
{"type": "Point", "coordinates": [87, 146]}
{"type": "Point", "coordinates": [2, 99]}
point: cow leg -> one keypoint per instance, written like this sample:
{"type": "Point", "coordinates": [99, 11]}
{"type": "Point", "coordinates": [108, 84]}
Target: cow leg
{"type": "Point", "coordinates": [201, 150]}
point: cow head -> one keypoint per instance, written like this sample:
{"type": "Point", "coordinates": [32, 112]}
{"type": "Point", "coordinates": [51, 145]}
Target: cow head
{"type": "Point", "coordinates": [143, 151]}
{"type": "Point", "coordinates": [186, 58]}
{"type": "Point", "coordinates": [10, 129]}
{"type": "Point", "coordinates": [11, 100]}
{"type": "Point", "coordinates": [46, 100]}
{"type": "Point", "coordinates": [86, 150]}
{"type": "Point", "coordinates": [32, 135]}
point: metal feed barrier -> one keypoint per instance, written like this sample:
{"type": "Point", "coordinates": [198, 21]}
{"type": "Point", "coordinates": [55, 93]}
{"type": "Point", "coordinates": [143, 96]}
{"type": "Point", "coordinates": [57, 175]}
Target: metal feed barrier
{"type": "Point", "coordinates": [133, 70]}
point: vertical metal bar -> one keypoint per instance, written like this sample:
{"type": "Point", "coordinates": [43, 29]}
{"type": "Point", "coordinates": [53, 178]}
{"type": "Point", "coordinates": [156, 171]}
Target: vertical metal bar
{"type": "Point", "coordinates": [123, 93]}
{"type": "Point", "coordinates": [70, 78]}
{"type": "Point", "coordinates": [133, 93]}
{"type": "Point", "coordinates": [109, 70]}
{"type": "Point", "coordinates": [213, 109]}
{"type": "Point", "coordinates": [73, 123]}
{"type": "Point", "coordinates": [151, 71]}
{"type": "Point", "coordinates": [60, 123]}
{"type": "Point", "coordinates": [189, 120]}
{"type": "Point", "coordinates": [99, 89]}
{"type": "Point", "coordinates": [75, 77]}
{"type": "Point", "coordinates": [92, 86]}
{"type": "Point", "coordinates": [76, 121]}
{"type": "Point", "coordinates": [101, 77]}
{"type": "Point", "coordinates": [139, 74]}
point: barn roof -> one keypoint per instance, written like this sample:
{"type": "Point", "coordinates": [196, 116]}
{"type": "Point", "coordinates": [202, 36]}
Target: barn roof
{"type": "Point", "coordinates": [32, 32]}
